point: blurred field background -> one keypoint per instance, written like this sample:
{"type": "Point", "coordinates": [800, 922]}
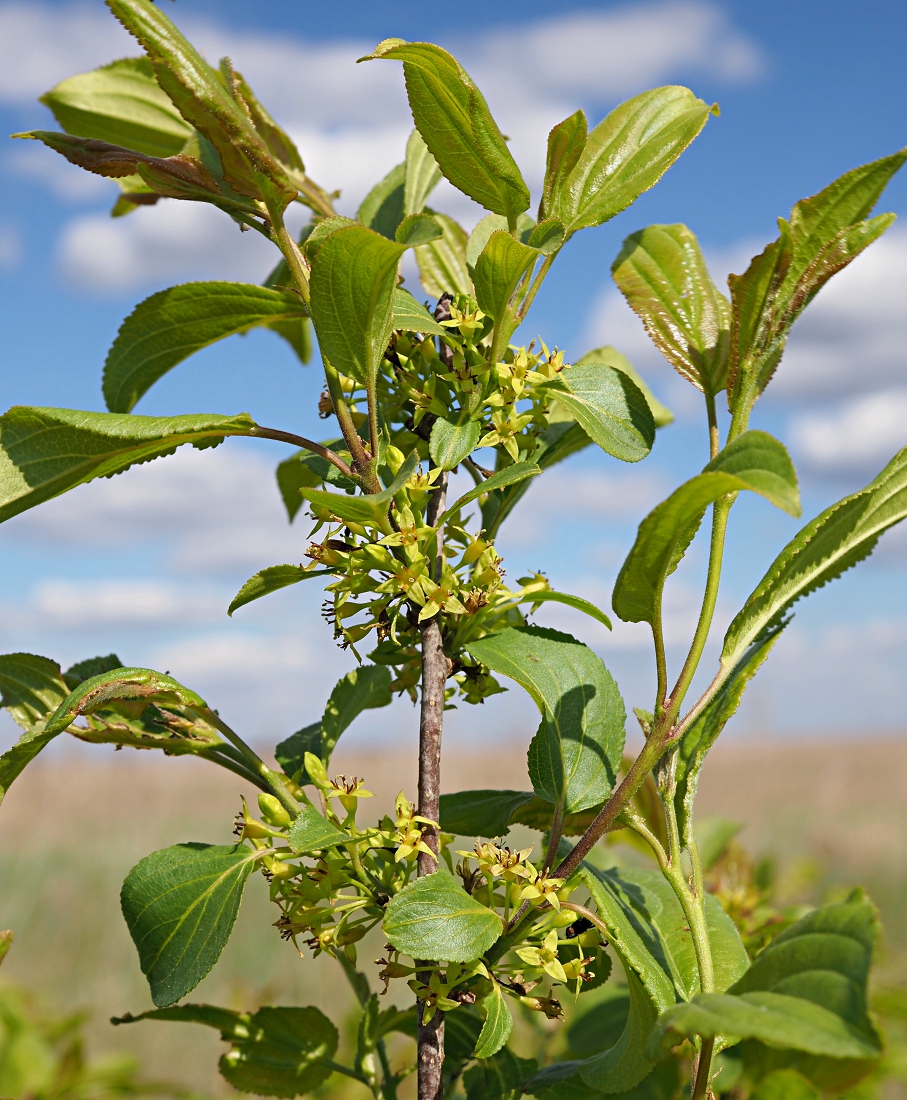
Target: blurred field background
{"type": "Point", "coordinates": [830, 814]}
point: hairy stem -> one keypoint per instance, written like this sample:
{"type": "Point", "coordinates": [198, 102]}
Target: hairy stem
{"type": "Point", "coordinates": [534, 289]}
{"type": "Point", "coordinates": [273, 780]}
{"type": "Point", "coordinates": [296, 262]}
{"type": "Point", "coordinates": [361, 460]}
{"type": "Point", "coordinates": [307, 444]}
{"type": "Point", "coordinates": [714, 437]}
{"type": "Point", "coordinates": [703, 1070]}
{"type": "Point", "coordinates": [720, 512]}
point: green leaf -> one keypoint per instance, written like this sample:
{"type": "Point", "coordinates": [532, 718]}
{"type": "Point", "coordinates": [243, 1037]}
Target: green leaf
{"type": "Point", "coordinates": [649, 933]}
{"type": "Point", "coordinates": [498, 1023]}
{"type": "Point", "coordinates": [204, 102]}
{"type": "Point", "coordinates": [45, 452]}
{"type": "Point", "coordinates": [310, 471]}
{"type": "Point", "coordinates": [611, 357]}
{"type": "Point", "coordinates": [608, 406]}
{"type": "Point", "coordinates": [501, 479]}
{"type": "Point", "coordinates": [173, 324]}
{"type": "Point", "coordinates": [32, 689]}
{"type": "Point", "coordinates": [576, 602]}
{"type": "Point", "coordinates": [369, 508]}
{"type": "Point", "coordinates": [500, 1077]}
{"type": "Point", "coordinates": [434, 918]}
{"type": "Point", "coordinates": [453, 118]}
{"type": "Point", "coordinates": [566, 143]}
{"type": "Point", "coordinates": [382, 207]}
{"type": "Point", "coordinates": [833, 542]}
{"type": "Point", "coordinates": [320, 233]}
{"type": "Point", "coordinates": [365, 688]}
{"type": "Point", "coordinates": [498, 270]}
{"type": "Point", "coordinates": [311, 832]}
{"type": "Point", "coordinates": [412, 316]}
{"type": "Point", "coordinates": [418, 229]}
{"type": "Point", "coordinates": [480, 813]}
{"type": "Point", "coordinates": [824, 234]}
{"type": "Point", "coordinates": [442, 262]}
{"type": "Point", "coordinates": [627, 154]}
{"type": "Point", "coordinates": [548, 236]}
{"type": "Point", "coordinates": [492, 223]}
{"type": "Point", "coordinates": [755, 461]}
{"type": "Point", "coordinates": [453, 440]}
{"type": "Point", "coordinates": [703, 733]}
{"type": "Point", "coordinates": [274, 1051]}
{"type": "Point", "coordinates": [180, 905]}
{"type": "Point", "coordinates": [575, 755]}
{"type": "Point", "coordinates": [354, 274]}
{"type": "Point", "coordinates": [422, 175]}
{"type": "Point", "coordinates": [120, 103]}
{"type": "Point", "coordinates": [599, 1027]}
{"type": "Point", "coordinates": [663, 275]}
{"type": "Point", "coordinates": [801, 1005]}
{"type": "Point", "coordinates": [269, 580]}
{"type": "Point", "coordinates": [122, 683]}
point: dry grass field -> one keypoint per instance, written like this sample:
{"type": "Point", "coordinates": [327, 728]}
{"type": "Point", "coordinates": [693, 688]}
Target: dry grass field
{"type": "Point", "coordinates": [831, 814]}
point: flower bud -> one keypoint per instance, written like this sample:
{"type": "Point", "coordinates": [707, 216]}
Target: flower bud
{"type": "Point", "coordinates": [272, 811]}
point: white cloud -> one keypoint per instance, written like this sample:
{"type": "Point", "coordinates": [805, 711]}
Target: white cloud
{"type": "Point", "coordinates": [351, 121]}
{"type": "Point", "coordinates": [30, 159]}
{"type": "Point", "coordinates": [135, 602]}
{"type": "Point", "coordinates": [862, 433]}
{"type": "Point", "coordinates": [204, 510]}
{"type": "Point", "coordinates": [163, 243]}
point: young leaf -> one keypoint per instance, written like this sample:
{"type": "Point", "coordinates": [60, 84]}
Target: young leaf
{"type": "Point", "coordinates": [365, 688]}
{"type": "Point", "coordinates": [412, 316]}
{"type": "Point", "coordinates": [662, 274]}
{"type": "Point", "coordinates": [354, 273]}
{"type": "Point", "coordinates": [493, 223]}
{"type": "Point", "coordinates": [574, 756]}
{"type": "Point", "coordinates": [501, 479]}
{"type": "Point", "coordinates": [611, 357]}
{"type": "Point", "coordinates": [627, 154]}
{"type": "Point", "coordinates": [45, 452]}
{"type": "Point", "coordinates": [201, 98]}
{"type": "Point", "coordinates": [269, 580]}
{"type": "Point", "coordinates": [417, 229]}
{"type": "Point", "coordinates": [32, 689]}
{"type": "Point", "coordinates": [442, 262]}
{"type": "Point", "coordinates": [453, 118]}
{"type": "Point", "coordinates": [369, 508]}
{"type": "Point", "coordinates": [499, 268]}
{"type": "Point", "coordinates": [180, 905]}
{"type": "Point", "coordinates": [120, 103]}
{"type": "Point", "coordinates": [274, 1051]}
{"type": "Point", "coordinates": [312, 833]}
{"type": "Point", "coordinates": [753, 461]}
{"type": "Point", "coordinates": [480, 813]}
{"type": "Point", "coordinates": [453, 440]}
{"type": "Point", "coordinates": [608, 406]}
{"type": "Point", "coordinates": [704, 732]}
{"type": "Point", "coordinates": [805, 992]}
{"type": "Point", "coordinates": [382, 207]}
{"type": "Point", "coordinates": [576, 602]}
{"type": "Point", "coordinates": [566, 142]}
{"type": "Point", "coordinates": [824, 234]}
{"type": "Point", "coordinates": [434, 918]}
{"type": "Point", "coordinates": [548, 236]}
{"type": "Point", "coordinates": [422, 175]}
{"type": "Point", "coordinates": [498, 1023]}
{"type": "Point", "coordinates": [173, 324]}
{"type": "Point", "coordinates": [833, 542]}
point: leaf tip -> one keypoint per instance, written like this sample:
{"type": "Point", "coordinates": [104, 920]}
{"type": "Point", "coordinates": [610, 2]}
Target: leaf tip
{"type": "Point", "coordinates": [382, 48]}
{"type": "Point", "coordinates": [715, 110]}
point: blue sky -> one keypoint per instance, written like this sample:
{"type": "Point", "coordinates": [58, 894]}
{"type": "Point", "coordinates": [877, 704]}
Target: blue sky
{"type": "Point", "coordinates": [145, 564]}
